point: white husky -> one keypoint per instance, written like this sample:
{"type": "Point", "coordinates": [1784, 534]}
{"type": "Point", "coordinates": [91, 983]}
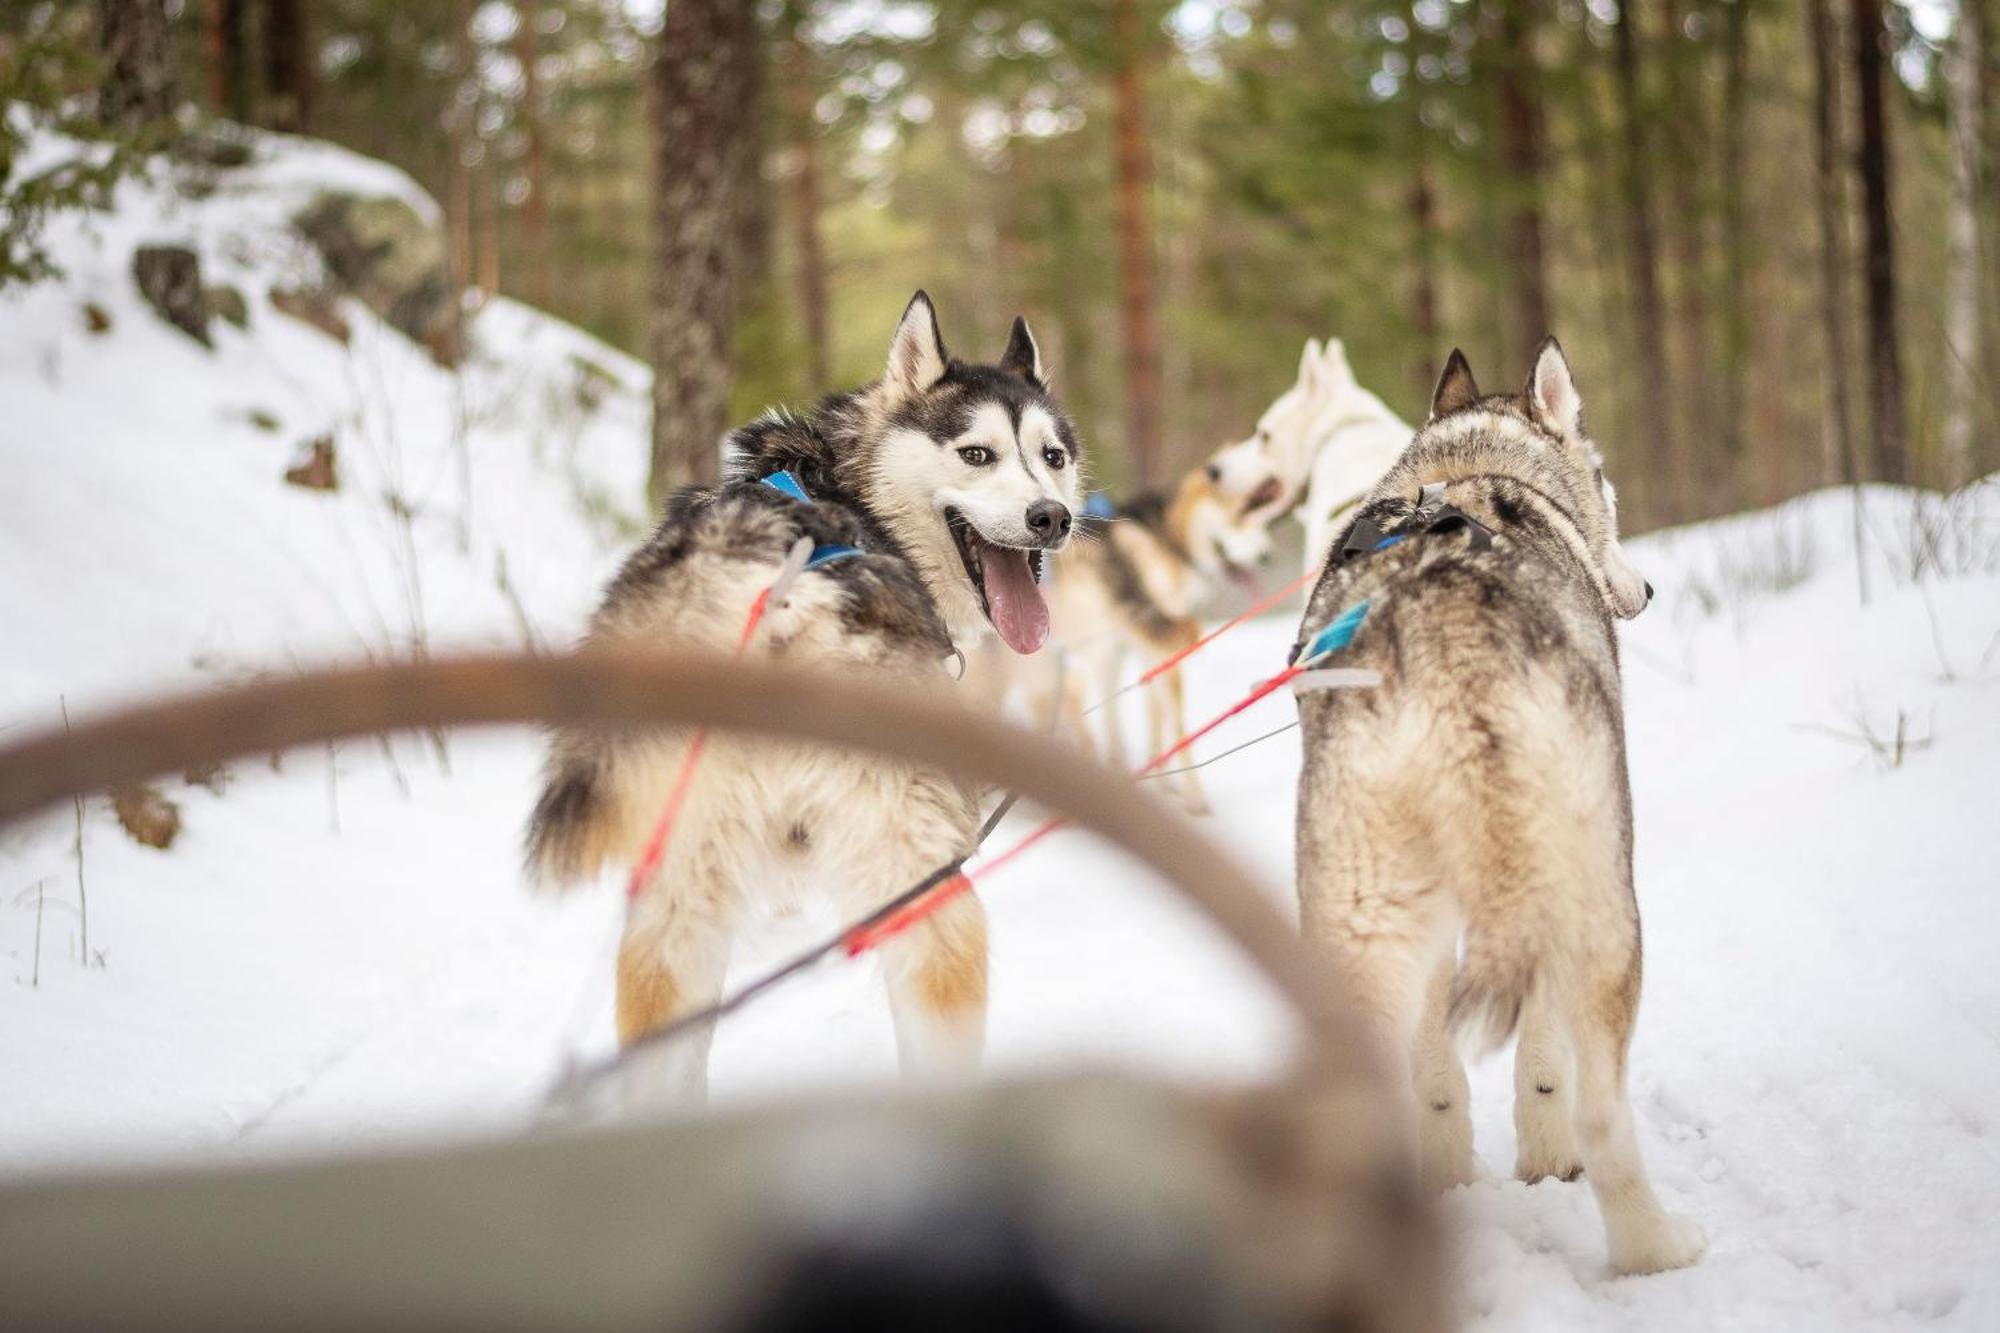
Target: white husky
{"type": "Point", "coordinates": [1316, 450]}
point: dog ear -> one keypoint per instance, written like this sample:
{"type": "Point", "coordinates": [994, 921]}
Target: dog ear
{"type": "Point", "coordinates": [917, 357]}
{"type": "Point", "coordinates": [1309, 362]}
{"type": "Point", "coordinates": [1022, 356]}
{"type": "Point", "coordinates": [1333, 361]}
{"type": "Point", "coordinates": [1552, 393]}
{"type": "Point", "coordinates": [1455, 387]}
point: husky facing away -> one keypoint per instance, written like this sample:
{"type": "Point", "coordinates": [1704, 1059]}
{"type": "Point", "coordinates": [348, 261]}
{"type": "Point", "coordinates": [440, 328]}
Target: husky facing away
{"type": "Point", "coordinates": [1481, 788]}
{"type": "Point", "coordinates": [1316, 450]}
{"type": "Point", "coordinates": [954, 480]}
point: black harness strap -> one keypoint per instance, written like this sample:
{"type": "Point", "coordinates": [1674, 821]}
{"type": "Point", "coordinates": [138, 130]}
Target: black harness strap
{"type": "Point", "coordinates": [1432, 517]}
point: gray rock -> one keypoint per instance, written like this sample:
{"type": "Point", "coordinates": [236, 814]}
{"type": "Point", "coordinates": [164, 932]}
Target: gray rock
{"type": "Point", "coordinates": [169, 277]}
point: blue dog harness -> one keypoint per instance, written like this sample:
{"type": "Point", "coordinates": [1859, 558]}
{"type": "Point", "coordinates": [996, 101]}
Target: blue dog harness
{"type": "Point", "coordinates": [1432, 516]}
{"type": "Point", "coordinates": [785, 483]}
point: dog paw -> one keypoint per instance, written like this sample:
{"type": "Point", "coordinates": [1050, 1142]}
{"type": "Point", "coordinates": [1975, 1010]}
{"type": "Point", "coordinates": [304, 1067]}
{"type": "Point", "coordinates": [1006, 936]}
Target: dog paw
{"type": "Point", "coordinates": [1664, 1244]}
{"type": "Point", "coordinates": [1533, 1170]}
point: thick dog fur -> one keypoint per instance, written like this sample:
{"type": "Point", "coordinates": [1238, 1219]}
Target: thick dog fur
{"type": "Point", "coordinates": [1481, 789]}
{"type": "Point", "coordinates": [1316, 450]}
{"type": "Point", "coordinates": [766, 821]}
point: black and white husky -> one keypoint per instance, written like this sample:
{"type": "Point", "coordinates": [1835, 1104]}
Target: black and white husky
{"type": "Point", "coordinates": [941, 486]}
{"type": "Point", "coordinates": [1480, 789]}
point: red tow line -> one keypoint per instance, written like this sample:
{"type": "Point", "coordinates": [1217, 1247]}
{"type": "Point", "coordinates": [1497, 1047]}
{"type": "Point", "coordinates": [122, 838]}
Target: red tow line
{"type": "Point", "coordinates": [863, 938]}
{"type": "Point", "coordinates": [866, 937]}
{"type": "Point", "coordinates": [655, 850]}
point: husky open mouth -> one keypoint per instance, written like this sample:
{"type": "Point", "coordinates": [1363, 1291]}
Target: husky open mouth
{"type": "Point", "coordinates": [1269, 493]}
{"type": "Point", "coordinates": [1007, 579]}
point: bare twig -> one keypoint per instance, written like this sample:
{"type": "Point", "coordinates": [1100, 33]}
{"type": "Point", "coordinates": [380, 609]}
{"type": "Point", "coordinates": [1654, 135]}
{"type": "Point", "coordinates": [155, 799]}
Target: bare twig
{"type": "Point", "coordinates": [502, 580]}
{"type": "Point", "coordinates": [1949, 675]}
{"type": "Point", "coordinates": [1889, 751]}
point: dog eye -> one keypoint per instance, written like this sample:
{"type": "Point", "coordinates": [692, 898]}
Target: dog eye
{"type": "Point", "coordinates": [978, 455]}
{"type": "Point", "coordinates": [1055, 458]}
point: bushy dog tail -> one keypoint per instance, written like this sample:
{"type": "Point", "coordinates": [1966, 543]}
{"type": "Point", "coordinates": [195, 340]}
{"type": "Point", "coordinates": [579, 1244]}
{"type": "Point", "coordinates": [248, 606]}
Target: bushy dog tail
{"type": "Point", "coordinates": [565, 842]}
{"type": "Point", "coordinates": [1503, 954]}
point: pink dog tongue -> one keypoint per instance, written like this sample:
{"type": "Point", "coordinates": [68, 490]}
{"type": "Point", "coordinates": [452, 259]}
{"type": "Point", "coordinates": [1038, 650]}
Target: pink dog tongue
{"type": "Point", "coordinates": [1019, 612]}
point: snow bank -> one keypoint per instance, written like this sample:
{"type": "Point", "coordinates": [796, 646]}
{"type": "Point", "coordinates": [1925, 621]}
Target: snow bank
{"type": "Point", "coordinates": [146, 528]}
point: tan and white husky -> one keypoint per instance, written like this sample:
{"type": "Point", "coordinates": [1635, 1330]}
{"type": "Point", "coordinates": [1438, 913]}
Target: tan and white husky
{"type": "Point", "coordinates": [1130, 596]}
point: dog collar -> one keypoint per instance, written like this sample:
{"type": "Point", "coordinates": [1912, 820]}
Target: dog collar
{"type": "Point", "coordinates": [785, 483]}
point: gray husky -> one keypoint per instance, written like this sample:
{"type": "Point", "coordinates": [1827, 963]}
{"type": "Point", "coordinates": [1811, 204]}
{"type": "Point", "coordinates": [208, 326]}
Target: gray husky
{"type": "Point", "coordinates": [934, 492]}
{"type": "Point", "coordinates": [1480, 789]}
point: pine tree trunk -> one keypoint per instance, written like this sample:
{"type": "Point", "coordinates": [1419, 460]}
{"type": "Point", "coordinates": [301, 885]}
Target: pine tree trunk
{"type": "Point", "coordinates": [1139, 330]}
{"type": "Point", "coordinates": [1885, 370]}
{"type": "Point", "coordinates": [290, 80]}
{"type": "Point", "coordinates": [1649, 333]}
{"type": "Point", "coordinates": [701, 85]}
{"type": "Point", "coordinates": [1521, 154]}
{"type": "Point", "coordinates": [1423, 284]}
{"type": "Point", "coordinates": [228, 77]}
{"type": "Point", "coordinates": [460, 129]}
{"type": "Point", "coordinates": [487, 240]}
{"type": "Point", "coordinates": [800, 84]}
{"type": "Point", "coordinates": [535, 208]}
{"type": "Point", "coordinates": [1838, 459]}
{"type": "Point", "coordinates": [1963, 275]}
{"type": "Point", "coordinates": [1729, 482]}
{"type": "Point", "coordinates": [1423, 212]}
{"type": "Point", "coordinates": [1688, 244]}
{"type": "Point", "coordinates": [139, 87]}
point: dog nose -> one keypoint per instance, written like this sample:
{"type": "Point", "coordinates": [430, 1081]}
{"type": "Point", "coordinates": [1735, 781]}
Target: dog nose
{"type": "Point", "coordinates": [1214, 472]}
{"type": "Point", "coordinates": [1049, 521]}
{"type": "Point", "coordinates": [1649, 590]}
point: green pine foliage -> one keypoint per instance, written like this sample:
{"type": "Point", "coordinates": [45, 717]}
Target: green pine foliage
{"type": "Point", "coordinates": [47, 66]}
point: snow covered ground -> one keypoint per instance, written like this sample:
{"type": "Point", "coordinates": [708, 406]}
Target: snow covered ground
{"type": "Point", "coordinates": [337, 951]}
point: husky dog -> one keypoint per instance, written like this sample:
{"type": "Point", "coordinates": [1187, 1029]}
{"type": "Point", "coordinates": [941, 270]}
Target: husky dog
{"type": "Point", "coordinates": [1134, 592]}
{"type": "Point", "coordinates": [1481, 788]}
{"type": "Point", "coordinates": [1315, 452]}
{"type": "Point", "coordinates": [953, 480]}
